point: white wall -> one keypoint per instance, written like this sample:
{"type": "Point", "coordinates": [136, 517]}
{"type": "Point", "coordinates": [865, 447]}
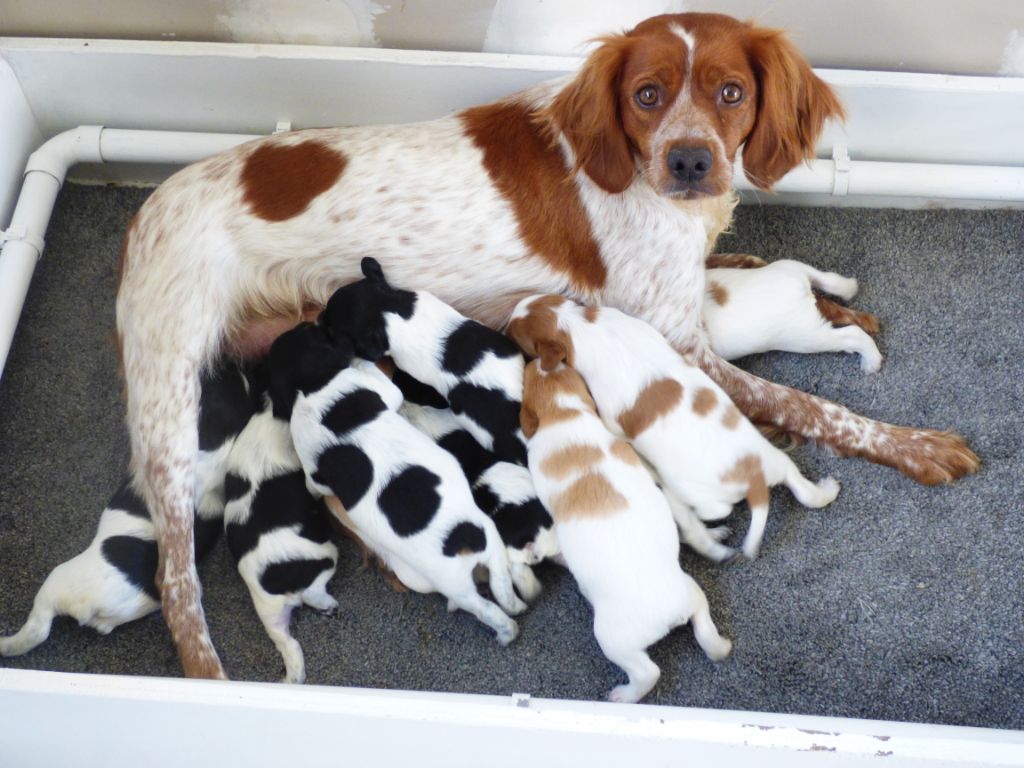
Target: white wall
{"type": "Point", "coordinates": [950, 36]}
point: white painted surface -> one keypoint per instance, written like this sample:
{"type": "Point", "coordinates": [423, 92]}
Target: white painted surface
{"type": "Point", "coordinates": [938, 36]}
{"type": "Point", "coordinates": [272, 724]}
{"type": "Point", "coordinates": [1013, 55]}
{"type": "Point", "coordinates": [19, 135]}
{"type": "Point", "coordinates": [564, 28]}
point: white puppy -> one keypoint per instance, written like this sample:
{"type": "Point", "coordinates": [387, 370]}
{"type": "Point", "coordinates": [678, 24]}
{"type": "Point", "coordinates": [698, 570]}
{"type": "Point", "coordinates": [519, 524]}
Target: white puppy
{"type": "Point", "coordinates": [278, 532]}
{"type": "Point", "coordinates": [706, 453]}
{"type": "Point", "coordinates": [404, 496]}
{"type": "Point", "coordinates": [613, 523]}
{"type": "Point", "coordinates": [774, 307]}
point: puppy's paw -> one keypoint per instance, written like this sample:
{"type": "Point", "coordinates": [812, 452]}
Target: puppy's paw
{"type": "Point", "coordinates": [508, 633]}
{"type": "Point", "coordinates": [719, 649]}
{"type": "Point", "coordinates": [720, 532]}
{"type": "Point", "coordinates": [871, 362]}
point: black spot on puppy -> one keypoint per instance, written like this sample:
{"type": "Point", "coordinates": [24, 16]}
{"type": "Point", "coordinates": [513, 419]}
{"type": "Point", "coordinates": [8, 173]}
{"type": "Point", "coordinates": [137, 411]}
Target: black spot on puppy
{"type": "Point", "coordinates": [410, 500]}
{"type": "Point", "coordinates": [472, 457]}
{"type": "Point", "coordinates": [205, 534]}
{"type": "Point", "coordinates": [225, 406]}
{"type": "Point", "coordinates": [279, 502]}
{"type": "Point", "coordinates": [127, 500]}
{"type": "Point", "coordinates": [293, 575]}
{"type": "Point", "coordinates": [519, 524]}
{"type": "Point", "coordinates": [496, 414]}
{"type": "Point", "coordinates": [466, 346]}
{"type": "Point", "coordinates": [359, 407]}
{"type": "Point", "coordinates": [235, 487]}
{"type": "Point", "coordinates": [347, 471]}
{"type": "Point", "coordinates": [415, 391]}
{"type": "Point", "coordinates": [136, 559]}
{"type": "Point", "coordinates": [463, 539]}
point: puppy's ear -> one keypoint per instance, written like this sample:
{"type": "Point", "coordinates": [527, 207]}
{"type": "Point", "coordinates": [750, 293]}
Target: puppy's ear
{"type": "Point", "coordinates": [373, 344]}
{"type": "Point", "coordinates": [587, 113]}
{"type": "Point", "coordinates": [517, 331]}
{"type": "Point", "coordinates": [792, 106]}
{"type": "Point", "coordinates": [372, 270]}
{"type": "Point", "coordinates": [551, 353]}
{"type": "Point", "coordinates": [528, 421]}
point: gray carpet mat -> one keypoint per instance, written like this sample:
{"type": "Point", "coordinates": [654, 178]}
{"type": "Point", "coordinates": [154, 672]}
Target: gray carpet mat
{"type": "Point", "coordinates": [898, 602]}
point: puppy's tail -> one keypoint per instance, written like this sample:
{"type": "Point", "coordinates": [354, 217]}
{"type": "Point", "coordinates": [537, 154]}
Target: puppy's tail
{"type": "Point", "coordinates": [44, 610]}
{"type": "Point", "coordinates": [758, 499]}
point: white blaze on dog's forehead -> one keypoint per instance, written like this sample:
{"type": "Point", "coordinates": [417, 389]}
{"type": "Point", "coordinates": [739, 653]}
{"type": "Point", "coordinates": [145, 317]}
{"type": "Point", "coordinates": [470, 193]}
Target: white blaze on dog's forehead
{"type": "Point", "coordinates": [688, 38]}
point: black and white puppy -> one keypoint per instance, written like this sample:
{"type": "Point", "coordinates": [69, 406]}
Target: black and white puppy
{"type": "Point", "coordinates": [405, 497]}
{"type": "Point", "coordinates": [113, 581]}
{"type": "Point", "coordinates": [478, 371]}
{"type": "Point", "coordinates": [500, 488]}
{"type": "Point", "coordinates": [277, 531]}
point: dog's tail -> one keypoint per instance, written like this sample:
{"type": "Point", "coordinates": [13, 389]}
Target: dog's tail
{"type": "Point", "coordinates": [44, 609]}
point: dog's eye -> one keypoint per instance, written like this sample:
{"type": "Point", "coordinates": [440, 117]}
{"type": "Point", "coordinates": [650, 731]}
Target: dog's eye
{"type": "Point", "coordinates": [648, 97]}
{"type": "Point", "coordinates": [732, 93]}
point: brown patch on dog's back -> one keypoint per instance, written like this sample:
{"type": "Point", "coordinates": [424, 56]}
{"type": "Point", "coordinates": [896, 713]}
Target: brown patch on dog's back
{"type": "Point", "coordinates": [590, 496]}
{"type": "Point", "coordinates": [624, 452]}
{"type": "Point", "coordinates": [748, 472]}
{"type": "Point", "coordinates": [704, 401]}
{"type": "Point", "coordinates": [718, 293]}
{"type": "Point", "coordinates": [654, 401]}
{"type": "Point", "coordinates": [572, 459]}
{"type": "Point", "coordinates": [731, 417]}
{"type": "Point", "coordinates": [530, 172]}
{"type": "Point", "coordinates": [279, 181]}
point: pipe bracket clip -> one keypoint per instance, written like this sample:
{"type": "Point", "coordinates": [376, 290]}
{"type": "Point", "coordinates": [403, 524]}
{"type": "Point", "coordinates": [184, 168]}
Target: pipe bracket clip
{"type": "Point", "coordinates": [841, 178]}
{"type": "Point", "coordinates": [21, 234]}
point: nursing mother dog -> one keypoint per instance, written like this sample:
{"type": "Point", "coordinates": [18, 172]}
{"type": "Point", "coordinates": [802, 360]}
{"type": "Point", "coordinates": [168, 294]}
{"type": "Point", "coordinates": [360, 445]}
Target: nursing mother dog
{"type": "Point", "coordinates": [603, 186]}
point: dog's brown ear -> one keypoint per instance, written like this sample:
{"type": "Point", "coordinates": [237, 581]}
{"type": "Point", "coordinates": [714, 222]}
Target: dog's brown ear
{"type": "Point", "coordinates": [587, 113]}
{"type": "Point", "coordinates": [792, 106]}
{"type": "Point", "coordinates": [551, 354]}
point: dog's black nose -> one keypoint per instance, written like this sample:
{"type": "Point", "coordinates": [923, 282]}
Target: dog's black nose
{"type": "Point", "coordinates": [689, 164]}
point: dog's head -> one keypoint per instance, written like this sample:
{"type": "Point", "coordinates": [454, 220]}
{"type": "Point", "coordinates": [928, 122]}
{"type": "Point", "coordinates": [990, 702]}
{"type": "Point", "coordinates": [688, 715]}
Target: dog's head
{"type": "Point", "coordinates": [677, 97]}
{"type": "Point", "coordinates": [357, 311]}
{"type": "Point", "coordinates": [303, 360]}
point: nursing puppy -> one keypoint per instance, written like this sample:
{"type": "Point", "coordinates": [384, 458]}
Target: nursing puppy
{"type": "Point", "coordinates": [501, 489]}
{"type": "Point", "coordinates": [477, 370]}
{"type": "Point", "coordinates": [613, 523]}
{"type": "Point", "coordinates": [278, 532]}
{"type": "Point", "coordinates": [405, 497]}
{"type": "Point", "coordinates": [774, 307]}
{"type": "Point", "coordinates": [706, 453]}
{"type": "Point", "coordinates": [113, 581]}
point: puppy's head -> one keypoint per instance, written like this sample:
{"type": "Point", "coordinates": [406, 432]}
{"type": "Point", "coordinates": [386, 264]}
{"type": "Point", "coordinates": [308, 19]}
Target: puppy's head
{"type": "Point", "coordinates": [534, 327]}
{"type": "Point", "coordinates": [552, 390]}
{"type": "Point", "coordinates": [677, 96]}
{"type": "Point", "coordinates": [358, 310]}
{"type": "Point", "coordinates": [303, 360]}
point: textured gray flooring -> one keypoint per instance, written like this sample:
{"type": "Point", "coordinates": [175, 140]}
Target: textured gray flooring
{"type": "Point", "coordinates": [897, 602]}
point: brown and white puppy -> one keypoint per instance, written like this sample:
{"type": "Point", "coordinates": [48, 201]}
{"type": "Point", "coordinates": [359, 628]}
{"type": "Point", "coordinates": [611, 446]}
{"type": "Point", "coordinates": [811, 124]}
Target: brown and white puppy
{"type": "Point", "coordinates": [707, 454]}
{"type": "Point", "coordinates": [613, 523]}
{"type": "Point", "coordinates": [603, 186]}
{"type": "Point", "coordinates": [775, 307]}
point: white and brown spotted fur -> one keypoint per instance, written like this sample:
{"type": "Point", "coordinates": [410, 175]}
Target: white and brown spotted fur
{"type": "Point", "coordinates": [573, 187]}
{"type": "Point", "coordinates": [613, 523]}
{"type": "Point", "coordinates": [775, 307]}
{"type": "Point", "coordinates": [706, 452]}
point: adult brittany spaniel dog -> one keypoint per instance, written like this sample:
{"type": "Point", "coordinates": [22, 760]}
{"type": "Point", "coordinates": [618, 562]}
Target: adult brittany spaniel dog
{"type": "Point", "coordinates": [605, 186]}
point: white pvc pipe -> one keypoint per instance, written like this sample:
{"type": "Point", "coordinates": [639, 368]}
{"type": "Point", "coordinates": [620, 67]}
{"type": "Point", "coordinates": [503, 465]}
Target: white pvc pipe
{"type": "Point", "coordinates": [926, 180]}
{"type": "Point", "coordinates": [47, 167]}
